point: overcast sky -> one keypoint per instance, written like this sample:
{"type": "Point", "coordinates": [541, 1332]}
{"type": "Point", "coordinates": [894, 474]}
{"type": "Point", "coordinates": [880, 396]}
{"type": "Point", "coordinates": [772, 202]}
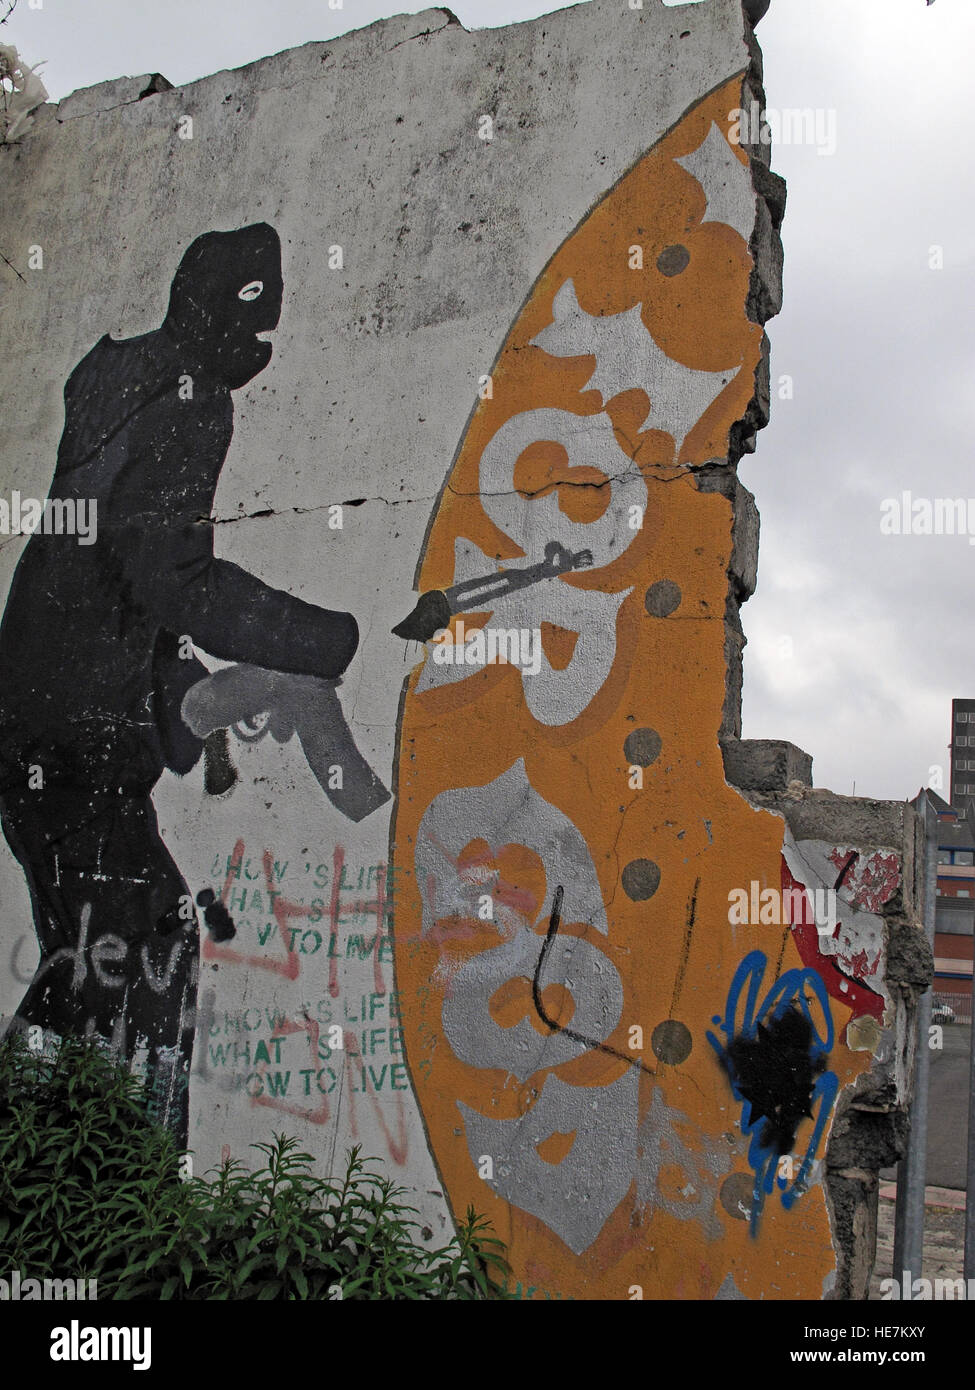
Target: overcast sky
{"type": "Point", "coordinates": [857, 640]}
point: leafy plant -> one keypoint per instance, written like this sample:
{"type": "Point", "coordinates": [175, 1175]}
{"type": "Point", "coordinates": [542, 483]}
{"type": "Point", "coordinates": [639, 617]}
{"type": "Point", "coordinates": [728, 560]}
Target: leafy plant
{"type": "Point", "coordinates": [89, 1186]}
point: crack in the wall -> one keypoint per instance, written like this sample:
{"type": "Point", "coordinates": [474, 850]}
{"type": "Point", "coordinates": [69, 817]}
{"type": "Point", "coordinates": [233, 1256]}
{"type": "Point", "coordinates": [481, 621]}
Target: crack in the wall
{"type": "Point", "coordinates": [657, 473]}
{"type": "Point", "coordinates": [307, 511]}
{"type": "Point", "coordinates": [12, 267]}
{"type": "Point", "coordinates": [103, 110]}
{"type": "Point", "coordinates": [166, 86]}
{"type": "Point", "coordinates": [426, 33]}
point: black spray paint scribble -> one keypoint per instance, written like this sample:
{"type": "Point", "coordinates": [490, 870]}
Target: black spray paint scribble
{"type": "Point", "coordinates": [775, 1073]}
{"type": "Point", "coordinates": [553, 1024]}
{"type": "Point", "coordinates": [92, 678]}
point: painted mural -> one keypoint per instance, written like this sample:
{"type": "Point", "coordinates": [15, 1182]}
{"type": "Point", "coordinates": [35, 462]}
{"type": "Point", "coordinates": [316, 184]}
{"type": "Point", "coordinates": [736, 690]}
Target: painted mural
{"type": "Point", "coordinates": [582, 985]}
{"type": "Point", "coordinates": [635, 1084]}
{"type": "Point", "coordinates": [97, 653]}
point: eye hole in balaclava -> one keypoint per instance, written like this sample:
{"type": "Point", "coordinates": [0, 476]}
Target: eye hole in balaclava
{"type": "Point", "coordinates": [227, 290]}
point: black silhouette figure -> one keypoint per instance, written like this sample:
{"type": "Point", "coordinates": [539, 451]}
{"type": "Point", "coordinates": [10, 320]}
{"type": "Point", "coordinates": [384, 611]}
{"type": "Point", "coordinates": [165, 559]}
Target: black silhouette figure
{"type": "Point", "coordinates": [91, 675]}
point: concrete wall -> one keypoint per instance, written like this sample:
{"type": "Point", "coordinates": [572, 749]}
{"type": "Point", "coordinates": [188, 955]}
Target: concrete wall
{"type": "Point", "coordinates": [557, 972]}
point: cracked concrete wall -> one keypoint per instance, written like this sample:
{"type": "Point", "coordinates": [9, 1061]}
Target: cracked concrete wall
{"type": "Point", "coordinates": [480, 916]}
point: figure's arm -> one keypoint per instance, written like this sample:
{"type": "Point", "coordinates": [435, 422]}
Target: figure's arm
{"type": "Point", "coordinates": [231, 614]}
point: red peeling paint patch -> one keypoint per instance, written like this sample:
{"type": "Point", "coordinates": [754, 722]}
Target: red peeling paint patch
{"type": "Point", "coordinates": [872, 880]}
{"type": "Point", "coordinates": [840, 986]}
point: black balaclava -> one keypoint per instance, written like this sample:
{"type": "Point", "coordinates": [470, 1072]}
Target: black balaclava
{"type": "Point", "coordinates": [207, 316]}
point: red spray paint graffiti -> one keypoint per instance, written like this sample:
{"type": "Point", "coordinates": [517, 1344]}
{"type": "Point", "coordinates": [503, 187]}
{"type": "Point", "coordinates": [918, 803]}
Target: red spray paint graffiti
{"type": "Point", "coordinates": [285, 911]}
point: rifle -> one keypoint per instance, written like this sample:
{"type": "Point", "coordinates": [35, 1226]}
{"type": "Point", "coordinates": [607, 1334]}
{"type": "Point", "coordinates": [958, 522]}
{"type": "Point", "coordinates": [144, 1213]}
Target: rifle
{"type": "Point", "coordinates": [434, 609]}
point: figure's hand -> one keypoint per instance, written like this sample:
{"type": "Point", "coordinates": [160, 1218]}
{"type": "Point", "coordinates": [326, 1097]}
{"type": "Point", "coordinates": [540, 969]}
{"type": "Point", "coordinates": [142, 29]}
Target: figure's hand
{"type": "Point", "coordinates": [342, 647]}
{"type": "Point", "coordinates": [431, 614]}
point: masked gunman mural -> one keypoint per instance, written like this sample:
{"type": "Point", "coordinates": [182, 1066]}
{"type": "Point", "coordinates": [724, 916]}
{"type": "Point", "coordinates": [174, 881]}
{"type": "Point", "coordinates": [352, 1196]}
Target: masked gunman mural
{"type": "Point", "coordinates": [96, 659]}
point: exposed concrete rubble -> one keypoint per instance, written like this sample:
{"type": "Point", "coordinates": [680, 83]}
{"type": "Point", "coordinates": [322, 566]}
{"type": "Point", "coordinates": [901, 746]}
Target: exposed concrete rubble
{"type": "Point", "coordinates": [870, 1130]}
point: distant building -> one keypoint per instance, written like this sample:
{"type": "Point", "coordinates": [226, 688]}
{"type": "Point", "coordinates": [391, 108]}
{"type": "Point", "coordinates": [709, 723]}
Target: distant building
{"type": "Point", "coordinates": [962, 751]}
{"type": "Point", "coordinates": [955, 908]}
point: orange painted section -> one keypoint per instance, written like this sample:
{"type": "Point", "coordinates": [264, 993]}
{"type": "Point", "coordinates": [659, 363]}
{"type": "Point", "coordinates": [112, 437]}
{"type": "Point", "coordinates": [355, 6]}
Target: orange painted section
{"type": "Point", "coordinates": [674, 1235]}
